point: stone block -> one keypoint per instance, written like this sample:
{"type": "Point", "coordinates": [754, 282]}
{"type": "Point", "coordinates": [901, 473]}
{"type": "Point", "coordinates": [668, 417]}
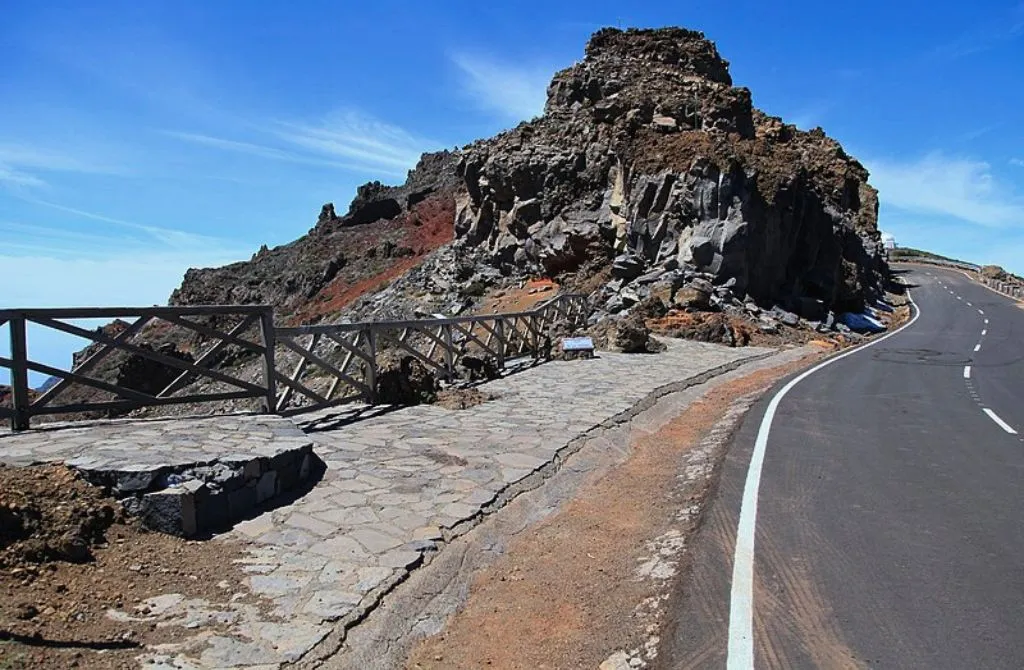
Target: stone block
{"type": "Point", "coordinates": [212, 512]}
{"type": "Point", "coordinates": [161, 511]}
{"type": "Point", "coordinates": [253, 469]}
{"type": "Point", "coordinates": [241, 501]}
{"type": "Point", "coordinates": [132, 479]}
{"type": "Point", "coordinates": [193, 493]}
{"type": "Point", "coordinates": [266, 487]}
{"type": "Point", "coordinates": [287, 477]}
{"type": "Point", "coordinates": [282, 460]}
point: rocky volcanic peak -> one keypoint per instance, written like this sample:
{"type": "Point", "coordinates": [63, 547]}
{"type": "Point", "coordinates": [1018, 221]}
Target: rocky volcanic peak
{"type": "Point", "coordinates": [650, 183]}
{"type": "Point", "coordinates": [670, 73]}
{"type": "Point", "coordinates": [648, 169]}
{"type": "Point", "coordinates": [648, 158]}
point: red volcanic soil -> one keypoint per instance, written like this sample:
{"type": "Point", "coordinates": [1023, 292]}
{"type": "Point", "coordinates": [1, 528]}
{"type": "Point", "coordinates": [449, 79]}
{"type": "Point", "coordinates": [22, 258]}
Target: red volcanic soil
{"type": "Point", "coordinates": [430, 224]}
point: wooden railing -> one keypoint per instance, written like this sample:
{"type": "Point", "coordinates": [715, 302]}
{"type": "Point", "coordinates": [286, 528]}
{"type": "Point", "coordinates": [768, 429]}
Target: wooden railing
{"type": "Point", "coordinates": [204, 322]}
{"type": "Point", "coordinates": [327, 364]}
{"type": "Point", "coordinates": [340, 362]}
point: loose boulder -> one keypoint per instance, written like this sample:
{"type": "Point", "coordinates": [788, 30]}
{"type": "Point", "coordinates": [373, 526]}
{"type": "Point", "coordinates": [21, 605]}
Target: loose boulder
{"type": "Point", "coordinates": [404, 380]}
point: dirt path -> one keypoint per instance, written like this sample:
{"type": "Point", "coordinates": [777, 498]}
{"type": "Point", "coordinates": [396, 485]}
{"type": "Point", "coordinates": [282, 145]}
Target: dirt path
{"type": "Point", "coordinates": [584, 587]}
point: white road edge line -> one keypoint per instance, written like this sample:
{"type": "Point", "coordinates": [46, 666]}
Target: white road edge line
{"type": "Point", "coordinates": [740, 652]}
{"type": "Point", "coordinates": [1002, 424]}
{"type": "Point", "coordinates": [967, 372]}
{"type": "Point", "coordinates": [977, 348]}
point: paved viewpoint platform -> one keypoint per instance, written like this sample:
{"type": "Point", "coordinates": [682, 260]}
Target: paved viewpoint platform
{"type": "Point", "coordinates": [181, 476]}
{"type": "Point", "coordinates": [399, 483]}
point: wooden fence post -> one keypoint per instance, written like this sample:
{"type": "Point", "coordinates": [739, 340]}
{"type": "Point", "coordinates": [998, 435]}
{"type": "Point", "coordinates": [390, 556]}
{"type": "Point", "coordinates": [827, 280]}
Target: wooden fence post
{"type": "Point", "coordinates": [449, 351]}
{"type": "Point", "coordinates": [371, 367]}
{"type": "Point", "coordinates": [19, 374]}
{"type": "Point", "coordinates": [535, 331]}
{"type": "Point", "coordinates": [269, 341]}
{"type": "Point", "coordinates": [499, 328]}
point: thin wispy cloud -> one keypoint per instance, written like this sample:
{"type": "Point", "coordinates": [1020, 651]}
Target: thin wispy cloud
{"type": "Point", "coordinates": [990, 34]}
{"type": "Point", "coordinates": [167, 238]}
{"type": "Point", "coordinates": [347, 141]}
{"type": "Point", "coordinates": [16, 178]}
{"type": "Point", "coordinates": [153, 276]}
{"type": "Point", "coordinates": [1017, 161]}
{"type": "Point", "coordinates": [25, 166]}
{"type": "Point", "coordinates": [262, 151]}
{"type": "Point", "coordinates": [358, 137]}
{"type": "Point", "coordinates": [514, 92]}
{"type": "Point", "coordinates": [961, 188]}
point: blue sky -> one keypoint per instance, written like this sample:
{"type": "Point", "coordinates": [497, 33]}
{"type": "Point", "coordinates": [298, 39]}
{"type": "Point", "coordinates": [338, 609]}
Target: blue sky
{"type": "Point", "coordinates": [140, 138]}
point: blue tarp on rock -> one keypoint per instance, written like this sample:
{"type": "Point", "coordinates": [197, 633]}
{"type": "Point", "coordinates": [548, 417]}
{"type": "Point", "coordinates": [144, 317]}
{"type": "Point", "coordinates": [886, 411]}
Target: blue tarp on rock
{"type": "Point", "coordinates": [861, 323]}
{"type": "Point", "coordinates": [884, 306]}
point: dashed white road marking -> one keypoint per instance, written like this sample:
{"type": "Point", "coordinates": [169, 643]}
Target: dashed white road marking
{"type": "Point", "coordinates": [969, 304]}
{"type": "Point", "coordinates": [986, 320]}
{"type": "Point", "coordinates": [967, 372]}
{"type": "Point", "coordinates": [740, 650]}
{"type": "Point", "coordinates": [977, 348]}
{"type": "Point", "coordinates": [984, 332]}
{"type": "Point", "coordinates": [959, 298]}
{"type": "Point", "coordinates": [1002, 424]}
{"type": "Point", "coordinates": [982, 312]}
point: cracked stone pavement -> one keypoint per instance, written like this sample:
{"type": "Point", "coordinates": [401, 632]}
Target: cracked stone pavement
{"type": "Point", "coordinates": [398, 484]}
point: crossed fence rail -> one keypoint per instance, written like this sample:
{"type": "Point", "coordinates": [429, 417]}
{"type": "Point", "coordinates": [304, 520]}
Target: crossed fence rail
{"type": "Point", "coordinates": [340, 361]}
{"type": "Point", "coordinates": [328, 364]}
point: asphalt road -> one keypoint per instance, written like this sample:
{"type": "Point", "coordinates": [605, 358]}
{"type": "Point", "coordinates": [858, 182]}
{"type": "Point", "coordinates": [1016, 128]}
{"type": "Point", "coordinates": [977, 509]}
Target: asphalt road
{"type": "Point", "coordinates": [889, 524]}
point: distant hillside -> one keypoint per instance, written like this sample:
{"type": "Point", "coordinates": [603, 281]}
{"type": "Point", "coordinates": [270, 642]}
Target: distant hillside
{"type": "Point", "coordinates": [988, 271]}
{"type": "Point", "coordinates": [908, 254]}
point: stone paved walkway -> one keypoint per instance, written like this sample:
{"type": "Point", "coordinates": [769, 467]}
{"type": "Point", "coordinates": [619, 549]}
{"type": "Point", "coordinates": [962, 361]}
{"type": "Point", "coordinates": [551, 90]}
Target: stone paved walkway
{"type": "Point", "coordinates": [399, 482]}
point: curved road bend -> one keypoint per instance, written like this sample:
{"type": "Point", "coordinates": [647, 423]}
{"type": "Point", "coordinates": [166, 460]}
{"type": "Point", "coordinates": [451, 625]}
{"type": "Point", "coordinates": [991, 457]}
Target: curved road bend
{"type": "Point", "coordinates": [889, 527]}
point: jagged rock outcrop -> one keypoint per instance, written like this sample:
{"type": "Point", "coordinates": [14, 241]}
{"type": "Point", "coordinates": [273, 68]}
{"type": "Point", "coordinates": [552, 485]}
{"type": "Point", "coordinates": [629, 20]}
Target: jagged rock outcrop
{"type": "Point", "coordinates": [385, 231]}
{"type": "Point", "coordinates": [649, 158]}
{"type": "Point", "coordinates": [649, 176]}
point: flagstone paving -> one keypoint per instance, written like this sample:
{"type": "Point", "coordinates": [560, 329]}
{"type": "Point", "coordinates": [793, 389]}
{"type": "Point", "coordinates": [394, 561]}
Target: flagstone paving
{"type": "Point", "coordinates": [398, 484]}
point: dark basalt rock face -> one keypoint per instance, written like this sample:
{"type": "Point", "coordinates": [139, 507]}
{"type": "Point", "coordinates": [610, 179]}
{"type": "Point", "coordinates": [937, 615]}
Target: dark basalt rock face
{"type": "Point", "coordinates": [649, 158]}
{"type": "Point", "coordinates": [647, 165]}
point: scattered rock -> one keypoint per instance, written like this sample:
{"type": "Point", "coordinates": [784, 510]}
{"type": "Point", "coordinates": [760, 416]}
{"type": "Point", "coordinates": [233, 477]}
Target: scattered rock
{"type": "Point", "coordinates": [25, 612]}
{"type": "Point", "coordinates": [704, 327]}
{"type": "Point", "coordinates": [478, 368]}
{"type": "Point", "coordinates": [403, 380]}
{"type": "Point", "coordinates": [694, 297]}
{"type": "Point", "coordinates": [628, 334]}
{"type": "Point", "coordinates": [788, 318]}
{"type": "Point", "coordinates": [627, 267]}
